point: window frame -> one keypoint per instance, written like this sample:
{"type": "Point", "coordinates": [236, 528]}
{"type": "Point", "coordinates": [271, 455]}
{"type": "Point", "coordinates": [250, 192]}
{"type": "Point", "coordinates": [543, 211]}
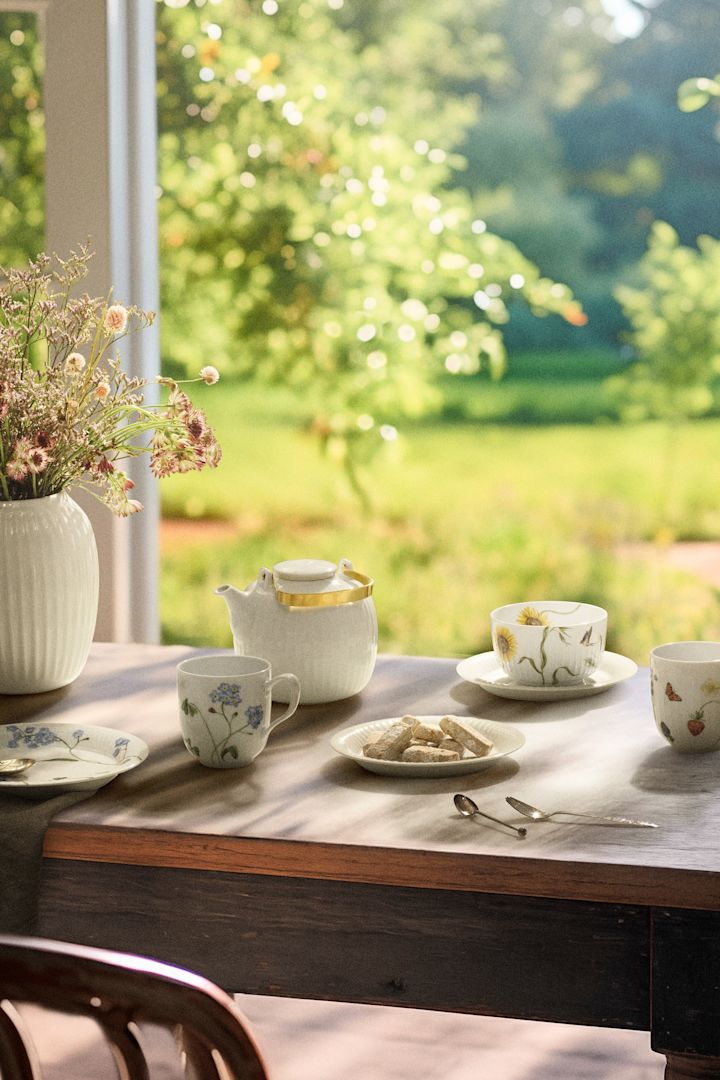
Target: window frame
{"type": "Point", "coordinates": [100, 176]}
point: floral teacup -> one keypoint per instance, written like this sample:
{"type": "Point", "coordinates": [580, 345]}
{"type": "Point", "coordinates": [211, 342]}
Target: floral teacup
{"type": "Point", "coordinates": [549, 642]}
{"type": "Point", "coordinates": [225, 707]}
{"type": "Point", "coordinates": [685, 689]}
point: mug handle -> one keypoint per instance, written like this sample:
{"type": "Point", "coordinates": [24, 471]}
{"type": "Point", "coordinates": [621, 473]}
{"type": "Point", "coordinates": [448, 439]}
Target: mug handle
{"type": "Point", "coordinates": [294, 697]}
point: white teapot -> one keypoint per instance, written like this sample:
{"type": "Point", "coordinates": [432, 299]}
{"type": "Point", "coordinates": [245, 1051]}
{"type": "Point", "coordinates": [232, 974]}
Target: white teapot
{"type": "Point", "coordinates": [312, 618]}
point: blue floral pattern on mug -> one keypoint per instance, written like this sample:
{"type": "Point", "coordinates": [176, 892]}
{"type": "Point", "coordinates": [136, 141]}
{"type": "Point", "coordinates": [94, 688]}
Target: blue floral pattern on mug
{"type": "Point", "coordinates": [226, 694]}
{"type": "Point", "coordinates": [224, 700]}
{"type": "Point", "coordinates": [255, 714]}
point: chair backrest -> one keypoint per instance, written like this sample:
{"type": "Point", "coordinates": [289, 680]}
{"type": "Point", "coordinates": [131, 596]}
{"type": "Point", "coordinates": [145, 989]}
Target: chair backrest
{"type": "Point", "coordinates": [120, 991]}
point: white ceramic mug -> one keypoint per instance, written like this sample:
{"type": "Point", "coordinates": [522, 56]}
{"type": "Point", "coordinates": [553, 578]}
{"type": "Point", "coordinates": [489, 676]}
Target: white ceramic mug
{"type": "Point", "coordinates": [225, 707]}
{"type": "Point", "coordinates": [685, 689]}
{"type": "Point", "coordinates": [549, 642]}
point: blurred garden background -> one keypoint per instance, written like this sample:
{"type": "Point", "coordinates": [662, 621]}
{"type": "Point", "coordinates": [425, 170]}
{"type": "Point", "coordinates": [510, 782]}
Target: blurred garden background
{"type": "Point", "coordinates": [457, 266]}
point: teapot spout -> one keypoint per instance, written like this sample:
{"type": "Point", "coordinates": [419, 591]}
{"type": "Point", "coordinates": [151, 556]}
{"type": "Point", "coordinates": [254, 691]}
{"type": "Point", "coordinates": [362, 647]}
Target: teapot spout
{"type": "Point", "coordinates": [227, 591]}
{"type": "Point", "coordinates": [236, 601]}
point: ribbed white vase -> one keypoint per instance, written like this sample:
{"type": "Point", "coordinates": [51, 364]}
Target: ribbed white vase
{"type": "Point", "coordinates": [49, 591]}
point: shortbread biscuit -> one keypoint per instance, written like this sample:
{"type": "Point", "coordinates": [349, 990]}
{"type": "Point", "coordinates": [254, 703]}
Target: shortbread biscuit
{"type": "Point", "coordinates": [451, 744]}
{"type": "Point", "coordinates": [372, 739]}
{"type": "Point", "coordinates": [428, 753]}
{"type": "Point", "coordinates": [426, 732]}
{"type": "Point", "coordinates": [408, 719]}
{"type": "Point", "coordinates": [475, 742]}
{"type": "Point", "coordinates": [391, 743]}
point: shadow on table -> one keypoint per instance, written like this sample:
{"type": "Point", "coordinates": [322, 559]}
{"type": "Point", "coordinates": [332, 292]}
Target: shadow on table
{"type": "Point", "coordinates": [481, 703]}
{"type": "Point", "coordinates": [666, 770]}
{"type": "Point", "coordinates": [347, 774]}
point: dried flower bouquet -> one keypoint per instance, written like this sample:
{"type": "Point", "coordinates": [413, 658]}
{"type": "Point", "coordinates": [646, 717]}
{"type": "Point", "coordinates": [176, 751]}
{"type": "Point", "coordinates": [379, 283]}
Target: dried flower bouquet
{"type": "Point", "coordinates": [68, 412]}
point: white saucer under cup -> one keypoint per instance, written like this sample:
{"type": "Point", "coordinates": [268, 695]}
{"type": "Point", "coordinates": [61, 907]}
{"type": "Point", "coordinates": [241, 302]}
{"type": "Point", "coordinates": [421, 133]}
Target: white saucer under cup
{"type": "Point", "coordinates": [484, 670]}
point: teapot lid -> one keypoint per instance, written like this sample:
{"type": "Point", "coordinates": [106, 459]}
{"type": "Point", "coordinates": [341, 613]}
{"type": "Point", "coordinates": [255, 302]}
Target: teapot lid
{"type": "Point", "coordinates": [319, 583]}
{"type": "Point", "coordinates": [304, 569]}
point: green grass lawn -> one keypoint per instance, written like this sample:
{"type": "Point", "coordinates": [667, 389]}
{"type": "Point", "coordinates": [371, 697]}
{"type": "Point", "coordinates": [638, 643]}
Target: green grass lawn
{"type": "Point", "coordinates": [468, 511]}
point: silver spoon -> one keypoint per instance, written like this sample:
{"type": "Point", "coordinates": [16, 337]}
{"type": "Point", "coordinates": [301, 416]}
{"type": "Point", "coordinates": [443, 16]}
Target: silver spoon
{"type": "Point", "coordinates": [13, 765]}
{"type": "Point", "coordinates": [540, 815]}
{"type": "Point", "coordinates": [469, 809]}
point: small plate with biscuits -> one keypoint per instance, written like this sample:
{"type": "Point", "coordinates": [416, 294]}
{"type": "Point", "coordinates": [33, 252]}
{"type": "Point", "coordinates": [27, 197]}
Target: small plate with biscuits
{"type": "Point", "coordinates": [427, 746]}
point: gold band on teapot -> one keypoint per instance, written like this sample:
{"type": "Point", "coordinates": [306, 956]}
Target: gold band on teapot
{"type": "Point", "coordinates": [328, 599]}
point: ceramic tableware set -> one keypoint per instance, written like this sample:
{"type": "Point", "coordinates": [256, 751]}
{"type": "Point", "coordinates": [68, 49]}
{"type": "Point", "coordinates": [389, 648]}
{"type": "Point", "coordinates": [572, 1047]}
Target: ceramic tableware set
{"type": "Point", "coordinates": [304, 632]}
{"type": "Point", "coordinates": [314, 622]}
{"type": "Point", "coordinates": [547, 650]}
{"type": "Point", "coordinates": [551, 650]}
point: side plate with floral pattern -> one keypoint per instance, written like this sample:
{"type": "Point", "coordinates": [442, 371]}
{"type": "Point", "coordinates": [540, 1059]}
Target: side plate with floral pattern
{"type": "Point", "coordinates": [68, 757]}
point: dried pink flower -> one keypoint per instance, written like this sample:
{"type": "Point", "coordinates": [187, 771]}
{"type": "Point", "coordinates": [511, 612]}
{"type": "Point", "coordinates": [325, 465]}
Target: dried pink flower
{"type": "Point", "coordinates": [74, 363]}
{"type": "Point", "coordinates": [37, 460]}
{"type": "Point", "coordinates": [209, 375]}
{"type": "Point", "coordinates": [116, 319]}
{"type": "Point", "coordinates": [17, 470]}
{"type": "Point", "coordinates": [196, 424]}
{"type": "Point", "coordinates": [73, 418]}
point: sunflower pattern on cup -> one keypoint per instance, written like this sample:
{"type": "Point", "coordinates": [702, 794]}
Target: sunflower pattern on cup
{"type": "Point", "coordinates": [506, 647]}
{"type": "Point", "coordinates": [549, 643]}
{"type": "Point", "coordinates": [540, 664]}
{"type": "Point", "coordinates": [530, 616]}
{"type": "Point", "coordinates": [505, 643]}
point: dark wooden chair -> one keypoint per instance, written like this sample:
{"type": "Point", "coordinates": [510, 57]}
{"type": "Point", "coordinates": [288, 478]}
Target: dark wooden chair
{"type": "Point", "coordinates": [119, 992]}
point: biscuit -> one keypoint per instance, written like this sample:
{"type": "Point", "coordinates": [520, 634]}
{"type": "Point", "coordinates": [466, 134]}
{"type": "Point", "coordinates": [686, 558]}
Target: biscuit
{"type": "Point", "coordinates": [391, 743]}
{"type": "Point", "coordinates": [428, 753]}
{"type": "Point", "coordinates": [471, 739]}
{"type": "Point", "coordinates": [371, 740]}
{"type": "Point", "coordinates": [451, 744]}
{"type": "Point", "coordinates": [426, 732]}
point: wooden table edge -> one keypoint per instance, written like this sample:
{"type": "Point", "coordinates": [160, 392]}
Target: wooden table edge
{"type": "Point", "coordinates": [455, 871]}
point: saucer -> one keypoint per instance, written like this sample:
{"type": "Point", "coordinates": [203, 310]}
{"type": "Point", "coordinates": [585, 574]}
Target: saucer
{"type": "Point", "coordinates": [350, 741]}
{"type": "Point", "coordinates": [68, 757]}
{"type": "Point", "coordinates": [484, 670]}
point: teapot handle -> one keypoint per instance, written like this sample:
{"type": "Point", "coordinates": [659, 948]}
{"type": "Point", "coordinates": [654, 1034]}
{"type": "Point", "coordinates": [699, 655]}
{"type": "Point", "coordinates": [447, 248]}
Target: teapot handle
{"type": "Point", "coordinates": [294, 697]}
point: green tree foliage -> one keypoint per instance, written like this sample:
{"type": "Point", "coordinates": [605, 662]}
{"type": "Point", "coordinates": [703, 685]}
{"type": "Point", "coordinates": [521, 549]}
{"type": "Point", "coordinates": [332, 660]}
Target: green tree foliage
{"type": "Point", "coordinates": [630, 149]}
{"type": "Point", "coordinates": [555, 58]}
{"type": "Point", "coordinates": [674, 313]}
{"type": "Point", "coordinates": [22, 139]}
{"type": "Point", "coordinates": [694, 94]}
{"type": "Point", "coordinates": [311, 228]}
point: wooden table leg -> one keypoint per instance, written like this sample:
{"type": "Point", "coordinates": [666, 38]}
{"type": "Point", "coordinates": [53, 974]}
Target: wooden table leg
{"type": "Point", "coordinates": [691, 1067]}
{"type": "Point", "coordinates": [685, 996]}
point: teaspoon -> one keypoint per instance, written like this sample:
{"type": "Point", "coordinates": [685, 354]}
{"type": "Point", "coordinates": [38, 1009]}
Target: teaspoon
{"type": "Point", "coordinates": [14, 765]}
{"type": "Point", "coordinates": [468, 808]}
{"type": "Point", "coordinates": [534, 814]}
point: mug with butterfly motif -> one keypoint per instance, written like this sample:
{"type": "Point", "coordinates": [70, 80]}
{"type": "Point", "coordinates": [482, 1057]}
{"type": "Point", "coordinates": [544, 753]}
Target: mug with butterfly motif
{"type": "Point", "coordinates": [685, 690]}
